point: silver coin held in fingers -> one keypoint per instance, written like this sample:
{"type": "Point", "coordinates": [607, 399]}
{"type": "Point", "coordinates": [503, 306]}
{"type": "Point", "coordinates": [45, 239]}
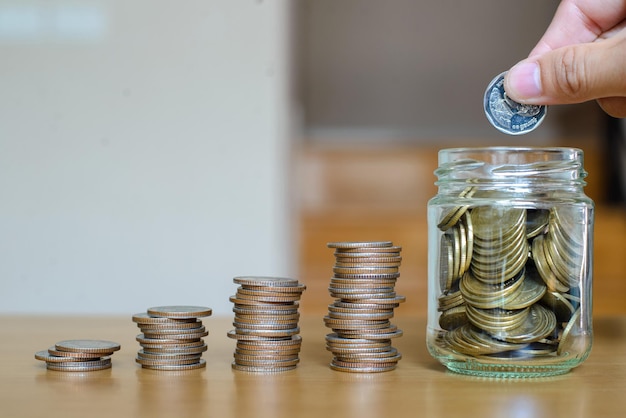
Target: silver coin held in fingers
{"type": "Point", "coordinates": [507, 115]}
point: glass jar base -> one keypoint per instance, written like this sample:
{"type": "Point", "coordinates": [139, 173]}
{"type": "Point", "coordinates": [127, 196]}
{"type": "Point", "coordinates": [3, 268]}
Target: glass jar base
{"type": "Point", "coordinates": [507, 371]}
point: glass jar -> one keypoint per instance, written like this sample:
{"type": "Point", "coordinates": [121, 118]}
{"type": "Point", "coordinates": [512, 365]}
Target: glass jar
{"type": "Point", "coordinates": [510, 244]}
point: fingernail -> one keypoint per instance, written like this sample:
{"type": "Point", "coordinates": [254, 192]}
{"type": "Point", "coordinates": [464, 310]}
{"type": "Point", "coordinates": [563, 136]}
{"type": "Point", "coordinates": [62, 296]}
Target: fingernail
{"type": "Point", "coordinates": [524, 81]}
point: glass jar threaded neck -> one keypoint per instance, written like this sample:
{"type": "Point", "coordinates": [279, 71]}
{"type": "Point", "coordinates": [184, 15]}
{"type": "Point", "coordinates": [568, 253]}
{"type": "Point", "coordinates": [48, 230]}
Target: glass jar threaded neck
{"type": "Point", "coordinates": [555, 167]}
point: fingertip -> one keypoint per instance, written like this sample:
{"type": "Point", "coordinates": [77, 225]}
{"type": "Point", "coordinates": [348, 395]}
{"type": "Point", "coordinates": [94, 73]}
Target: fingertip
{"type": "Point", "coordinates": [523, 82]}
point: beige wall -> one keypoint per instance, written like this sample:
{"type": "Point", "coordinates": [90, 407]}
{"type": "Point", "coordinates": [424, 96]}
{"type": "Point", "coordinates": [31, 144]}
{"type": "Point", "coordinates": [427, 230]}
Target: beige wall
{"type": "Point", "coordinates": [144, 152]}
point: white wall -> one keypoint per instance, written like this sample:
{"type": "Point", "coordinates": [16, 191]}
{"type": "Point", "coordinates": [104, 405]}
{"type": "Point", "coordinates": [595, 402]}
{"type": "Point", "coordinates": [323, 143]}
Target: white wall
{"type": "Point", "coordinates": [144, 151]}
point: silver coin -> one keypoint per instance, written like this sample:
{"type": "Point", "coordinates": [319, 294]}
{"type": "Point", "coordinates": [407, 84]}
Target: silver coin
{"type": "Point", "coordinates": [180, 367]}
{"type": "Point", "coordinates": [81, 366]}
{"type": "Point", "coordinates": [354, 244]}
{"type": "Point", "coordinates": [262, 369]}
{"type": "Point", "coordinates": [508, 116]}
{"type": "Point", "coordinates": [143, 318]}
{"type": "Point", "coordinates": [174, 350]}
{"type": "Point", "coordinates": [76, 355]}
{"type": "Point", "coordinates": [166, 361]}
{"type": "Point", "coordinates": [266, 281]}
{"type": "Point", "coordinates": [180, 311]}
{"type": "Point", "coordinates": [87, 346]}
{"type": "Point", "coordinates": [362, 368]}
{"type": "Point", "coordinates": [44, 355]}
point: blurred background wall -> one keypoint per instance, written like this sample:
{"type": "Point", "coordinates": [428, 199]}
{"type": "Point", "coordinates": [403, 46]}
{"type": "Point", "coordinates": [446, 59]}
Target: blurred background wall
{"type": "Point", "coordinates": [143, 152]}
{"type": "Point", "coordinates": [152, 150]}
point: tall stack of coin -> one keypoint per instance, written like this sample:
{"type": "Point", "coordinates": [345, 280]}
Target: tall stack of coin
{"type": "Point", "coordinates": [363, 285]}
{"type": "Point", "coordinates": [172, 337]}
{"type": "Point", "coordinates": [266, 324]}
{"type": "Point", "coordinates": [78, 355]}
{"type": "Point", "coordinates": [509, 278]}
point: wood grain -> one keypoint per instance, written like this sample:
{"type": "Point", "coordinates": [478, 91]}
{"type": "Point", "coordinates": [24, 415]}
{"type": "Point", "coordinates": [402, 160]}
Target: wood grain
{"type": "Point", "coordinates": [418, 387]}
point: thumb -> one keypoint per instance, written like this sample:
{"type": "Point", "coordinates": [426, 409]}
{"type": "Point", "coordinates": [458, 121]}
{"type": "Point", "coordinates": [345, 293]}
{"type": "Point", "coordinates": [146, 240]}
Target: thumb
{"type": "Point", "coordinates": [571, 74]}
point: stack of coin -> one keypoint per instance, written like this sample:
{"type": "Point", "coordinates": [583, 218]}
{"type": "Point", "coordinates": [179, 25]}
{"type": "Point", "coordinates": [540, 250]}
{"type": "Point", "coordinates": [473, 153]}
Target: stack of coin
{"type": "Point", "coordinates": [520, 292]}
{"type": "Point", "coordinates": [78, 355]}
{"type": "Point", "coordinates": [172, 337]}
{"type": "Point", "coordinates": [363, 285]}
{"type": "Point", "coordinates": [266, 324]}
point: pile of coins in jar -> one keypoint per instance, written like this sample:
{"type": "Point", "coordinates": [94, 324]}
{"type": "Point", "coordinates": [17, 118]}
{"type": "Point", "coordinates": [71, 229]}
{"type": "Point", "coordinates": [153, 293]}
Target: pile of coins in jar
{"type": "Point", "coordinates": [509, 279]}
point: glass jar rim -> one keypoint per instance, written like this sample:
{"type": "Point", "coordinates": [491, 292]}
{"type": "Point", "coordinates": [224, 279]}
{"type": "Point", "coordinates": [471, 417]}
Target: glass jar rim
{"type": "Point", "coordinates": [504, 163]}
{"type": "Point", "coordinates": [573, 151]}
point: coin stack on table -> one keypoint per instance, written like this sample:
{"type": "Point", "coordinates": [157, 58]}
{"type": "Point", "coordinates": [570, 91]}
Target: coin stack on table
{"type": "Point", "coordinates": [78, 355]}
{"type": "Point", "coordinates": [172, 337]}
{"type": "Point", "coordinates": [365, 274]}
{"type": "Point", "coordinates": [509, 279]}
{"type": "Point", "coordinates": [266, 324]}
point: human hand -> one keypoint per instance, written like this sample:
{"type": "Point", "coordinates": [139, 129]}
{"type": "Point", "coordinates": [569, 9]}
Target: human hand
{"type": "Point", "coordinates": [581, 57]}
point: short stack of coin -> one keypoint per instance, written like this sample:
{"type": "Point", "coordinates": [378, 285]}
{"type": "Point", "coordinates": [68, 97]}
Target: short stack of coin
{"type": "Point", "coordinates": [266, 324]}
{"type": "Point", "coordinates": [78, 355]}
{"type": "Point", "coordinates": [363, 285]}
{"type": "Point", "coordinates": [172, 337]}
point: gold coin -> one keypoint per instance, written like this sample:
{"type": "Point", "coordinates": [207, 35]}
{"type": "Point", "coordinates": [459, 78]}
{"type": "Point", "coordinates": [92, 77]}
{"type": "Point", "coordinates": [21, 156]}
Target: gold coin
{"type": "Point", "coordinates": [454, 214]}
{"type": "Point", "coordinates": [543, 266]}
{"type": "Point", "coordinates": [536, 222]}
{"type": "Point", "coordinates": [496, 222]}
{"type": "Point", "coordinates": [529, 293]}
{"type": "Point", "coordinates": [571, 333]}
{"type": "Point", "coordinates": [539, 323]}
{"type": "Point", "coordinates": [559, 304]}
{"type": "Point", "coordinates": [450, 300]}
{"type": "Point", "coordinates": [453, 318]}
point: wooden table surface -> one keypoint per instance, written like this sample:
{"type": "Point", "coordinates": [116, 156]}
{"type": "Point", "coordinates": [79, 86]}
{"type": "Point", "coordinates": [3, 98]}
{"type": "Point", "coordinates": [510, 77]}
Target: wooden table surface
{"type": "Point", "coordinates": [418, 387]}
